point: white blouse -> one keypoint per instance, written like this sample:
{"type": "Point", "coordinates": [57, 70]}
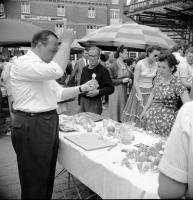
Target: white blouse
{"type": "Point", "coordinates": [146, 74]}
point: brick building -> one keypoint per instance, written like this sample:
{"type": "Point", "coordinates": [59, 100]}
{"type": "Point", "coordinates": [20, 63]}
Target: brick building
{"type": "Point", "coordinates": [83, 16]}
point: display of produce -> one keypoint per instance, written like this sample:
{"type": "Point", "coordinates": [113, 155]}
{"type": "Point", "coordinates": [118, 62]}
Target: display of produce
{"type": "Point", "coordinates": [145, 158]}
{"type": "Point", "coordinates": [89, 116]}
{"type": "Point", "coordinates": [78, 122]}
{"type": "Point", "coordinates": [66, 123]}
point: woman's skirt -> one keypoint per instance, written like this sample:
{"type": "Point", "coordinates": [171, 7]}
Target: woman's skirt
{"type": "Point", "coordinates": [133, 107]}
{"type": "Point", "coordinates": [117, 102]}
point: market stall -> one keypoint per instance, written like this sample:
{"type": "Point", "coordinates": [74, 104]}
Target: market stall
{"type": "Point", "coordinates": [109, 163]}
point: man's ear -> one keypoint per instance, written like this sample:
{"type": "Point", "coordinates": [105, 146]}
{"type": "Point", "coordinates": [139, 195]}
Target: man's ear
{"type": "Point", "coordinates": [39, 44]}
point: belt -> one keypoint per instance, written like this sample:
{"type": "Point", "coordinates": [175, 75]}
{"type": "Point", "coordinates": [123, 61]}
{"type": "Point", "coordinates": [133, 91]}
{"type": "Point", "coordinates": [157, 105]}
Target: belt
{"type": "Point", "coordinates": [29, 114]}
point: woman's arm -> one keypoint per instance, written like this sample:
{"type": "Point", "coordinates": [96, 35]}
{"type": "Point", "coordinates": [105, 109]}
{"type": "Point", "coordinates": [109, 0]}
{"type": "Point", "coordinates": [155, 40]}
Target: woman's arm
{"type": "Point", "coordinates": [136, 83]}
{"type": "Point", "coordinates": [113, 71]}
{"type": "Point", "coordinates": [148, 104]}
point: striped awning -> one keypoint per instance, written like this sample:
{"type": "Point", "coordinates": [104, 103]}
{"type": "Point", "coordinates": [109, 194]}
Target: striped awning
{"type": "Point", "coordinates": [132, 35]}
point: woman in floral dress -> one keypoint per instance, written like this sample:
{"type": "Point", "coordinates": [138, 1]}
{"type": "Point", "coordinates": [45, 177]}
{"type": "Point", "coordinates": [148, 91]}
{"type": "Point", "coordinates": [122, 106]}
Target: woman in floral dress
{"type": "Point", "coordinates": [163, 99]}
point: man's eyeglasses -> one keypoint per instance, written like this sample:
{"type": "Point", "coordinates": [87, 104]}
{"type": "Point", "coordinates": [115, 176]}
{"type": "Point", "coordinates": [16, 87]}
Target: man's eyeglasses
{"type": "Point", "coordinates": [93, 56]}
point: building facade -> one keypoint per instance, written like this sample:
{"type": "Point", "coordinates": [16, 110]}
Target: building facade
{"type": "Point", "coordinates": [83, 16]}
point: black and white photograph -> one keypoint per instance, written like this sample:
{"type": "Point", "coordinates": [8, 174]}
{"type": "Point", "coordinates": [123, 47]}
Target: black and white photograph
{"type": "Point", "coordinates": [96, 99]}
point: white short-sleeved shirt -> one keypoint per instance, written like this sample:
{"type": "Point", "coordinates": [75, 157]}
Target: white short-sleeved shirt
{"type": "Point", "coordinates": [177, 161]}
{"type": "Point", "coordinates": [185, 70]}
{"type": "Point", "coordinates": [33, 84]}
{"type": "Point", "coordinates": [178, 57]}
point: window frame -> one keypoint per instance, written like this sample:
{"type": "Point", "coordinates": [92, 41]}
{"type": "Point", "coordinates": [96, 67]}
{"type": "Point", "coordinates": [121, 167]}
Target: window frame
{"type": "Point", "coordinates": [115, 2]}
{"type": "Point", "coordinates": [115, 10]}
{"type": "Point", "coordinates": [25, 7]}
{"type": "Point", "coordinates": [61, 10]}
{"type": "Point", "coordinates": [90, 28]}
{"type": "Point", "coordinates": [91, 12]}
{"type": "Point", "coordinates": [59, 28]}
{"type": "Point", "coordinates": [2, 7]}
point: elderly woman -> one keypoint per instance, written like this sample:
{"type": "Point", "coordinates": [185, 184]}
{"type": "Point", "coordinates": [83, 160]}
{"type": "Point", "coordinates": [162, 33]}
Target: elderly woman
{"type": "Point", "coordinates": [161, 105]}
{"type": "Point", "coordinates": [145, 71]}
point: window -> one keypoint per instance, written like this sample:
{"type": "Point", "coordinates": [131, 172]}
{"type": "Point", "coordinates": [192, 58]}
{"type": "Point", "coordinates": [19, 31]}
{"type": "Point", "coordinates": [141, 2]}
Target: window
{"type": "Point", "coordinates": [60, 10]}
{"type": "Point", "coordinates": [115, 16]}
{"type": "Point", "coordinates": [91, 13]}
{"type": "Point", "coordinates": [115, 1]}
{"type": "Point", "coordinates": [1, 7]}
{"type": "Point", "coordinates": [25, 7]}
{"type": "Point", "coordinates": [59, 28]}
{"type": "Point", "coordinates": [133, 54]}
{"type": "Point", "coordinates": [91, 28]}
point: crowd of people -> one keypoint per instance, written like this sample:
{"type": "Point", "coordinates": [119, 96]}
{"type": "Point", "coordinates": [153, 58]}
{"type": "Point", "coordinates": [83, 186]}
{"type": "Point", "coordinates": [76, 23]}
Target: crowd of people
{"type": "Point", "coordinates": [148, 90]}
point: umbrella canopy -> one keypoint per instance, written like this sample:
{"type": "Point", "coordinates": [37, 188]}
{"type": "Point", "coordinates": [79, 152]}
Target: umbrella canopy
{"type": "Point", "coordinates": [76, 47]}
{"type": "Point", "coordinates": [131, 35]}
{"type": "Point", "coordinates": [16, 33]}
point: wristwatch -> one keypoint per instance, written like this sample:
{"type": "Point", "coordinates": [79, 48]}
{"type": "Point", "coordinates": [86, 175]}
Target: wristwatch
{"type": "Point", "coordinates": [80, 89]}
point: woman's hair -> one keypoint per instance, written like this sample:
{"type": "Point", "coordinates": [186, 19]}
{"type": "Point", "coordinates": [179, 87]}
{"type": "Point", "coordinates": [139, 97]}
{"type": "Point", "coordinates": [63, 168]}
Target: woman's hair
{"type": "Point", "coordinates": [120, 50]}
{"type": "Point", "coordinates": [152, 48]}
{"type": "Point", "coordinates": [170, 59]}
{"type": "Point", "coordinates": [103, 57]}
{"type": "Point", "coordinates": [130, 61]}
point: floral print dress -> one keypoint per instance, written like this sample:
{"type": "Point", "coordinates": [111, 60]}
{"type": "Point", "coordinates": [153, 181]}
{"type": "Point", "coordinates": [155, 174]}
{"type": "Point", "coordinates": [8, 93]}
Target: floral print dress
{"type": "Point", "coordinates": [162, 113]}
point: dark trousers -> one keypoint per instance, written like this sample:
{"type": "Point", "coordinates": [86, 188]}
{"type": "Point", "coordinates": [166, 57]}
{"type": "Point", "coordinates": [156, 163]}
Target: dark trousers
{"type": "Point", "coordinates": [35, 140]}
{"type": "Point", "coordinates": [93, 105]}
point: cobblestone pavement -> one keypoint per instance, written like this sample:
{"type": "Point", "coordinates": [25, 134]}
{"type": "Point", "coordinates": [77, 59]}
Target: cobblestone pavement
{"type": "Point", "coordinates": [9, 180]}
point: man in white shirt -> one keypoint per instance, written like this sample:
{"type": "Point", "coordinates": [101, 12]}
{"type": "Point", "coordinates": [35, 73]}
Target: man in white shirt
{"type": "Point", "coordinates": [35, 127]}
{"type": "Point", "coordinates": [176, 166]}
{"type": "Point", "coordinates": [178, 52]}
{"type": "Point", "coordinates": [185, 68]}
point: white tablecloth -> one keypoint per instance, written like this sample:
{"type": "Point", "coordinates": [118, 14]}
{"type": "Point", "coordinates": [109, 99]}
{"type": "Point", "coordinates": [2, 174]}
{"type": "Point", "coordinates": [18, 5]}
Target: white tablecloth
{"type": "Point", "coordinates": [102, 172]}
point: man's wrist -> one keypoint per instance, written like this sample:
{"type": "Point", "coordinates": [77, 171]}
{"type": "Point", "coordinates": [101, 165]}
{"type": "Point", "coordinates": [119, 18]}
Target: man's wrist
{"type": "Point", "coordinates": [80, 89]}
